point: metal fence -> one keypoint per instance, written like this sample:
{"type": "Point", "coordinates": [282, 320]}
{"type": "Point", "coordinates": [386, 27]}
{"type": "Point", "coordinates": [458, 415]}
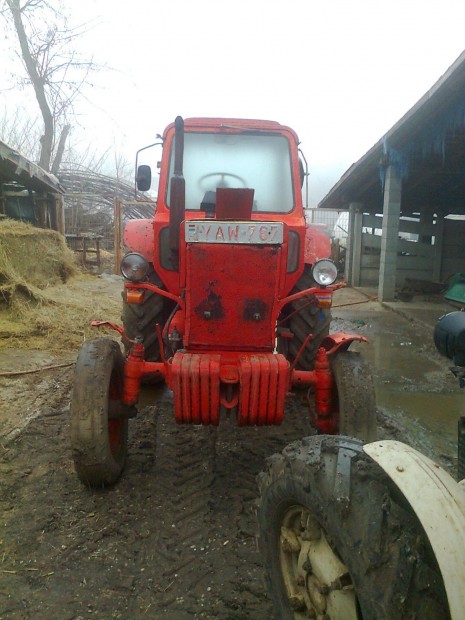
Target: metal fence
{"type": "Point", "coordinates": [325, 217]}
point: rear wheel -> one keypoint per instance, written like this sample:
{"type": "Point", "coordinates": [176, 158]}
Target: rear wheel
{"type": "Point", "coordinates": [304, 317]}
{"type": "Point", "coordinates": [99, 430]}
{"type": "Point", "coordinates": [338, 541]}
{"type": "Point", "coordinates": [353, 398]}
{"type": "Point", "coordinates": [139, 320]}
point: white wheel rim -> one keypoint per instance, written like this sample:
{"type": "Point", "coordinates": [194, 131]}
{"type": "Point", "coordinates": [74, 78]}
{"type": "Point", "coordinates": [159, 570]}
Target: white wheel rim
{"type": "Point", "coordinates": [317, 582]}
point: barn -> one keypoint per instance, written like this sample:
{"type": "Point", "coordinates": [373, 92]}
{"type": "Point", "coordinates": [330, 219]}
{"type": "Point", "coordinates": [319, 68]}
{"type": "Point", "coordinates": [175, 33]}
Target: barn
{"type": "Point", "coordinates": [405, 197]}
{"type": "Point", "coordinates": [29, 193]}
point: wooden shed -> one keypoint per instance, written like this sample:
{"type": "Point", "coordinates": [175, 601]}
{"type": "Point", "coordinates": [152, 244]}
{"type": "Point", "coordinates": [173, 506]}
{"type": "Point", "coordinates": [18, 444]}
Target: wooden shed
{"type": "Point", "coordinates": [29, 193]}
{"type": "Point", "coordinates": [406, 195]}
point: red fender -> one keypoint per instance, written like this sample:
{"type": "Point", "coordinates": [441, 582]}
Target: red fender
{"type": "Point", "coordinates": [317, 244]}
{"type": "Point", "coordinates": [340, 341]}
{"type": "Point", "coordinates": [139, 237]}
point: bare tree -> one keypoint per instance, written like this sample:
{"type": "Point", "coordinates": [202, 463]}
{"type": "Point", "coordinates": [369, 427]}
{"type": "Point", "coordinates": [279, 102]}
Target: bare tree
{"type": "Point", "coordinates": [124, 169]}
{"type": "Point", "coordinates": [54, 69]}
{"type": "Point", "coordinates": [109, 162]}
{"type": "Point", "coordinates": [21, 132]}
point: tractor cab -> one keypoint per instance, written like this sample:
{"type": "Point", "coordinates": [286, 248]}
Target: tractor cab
{"type": "Point", "coordinates": [225, 170]}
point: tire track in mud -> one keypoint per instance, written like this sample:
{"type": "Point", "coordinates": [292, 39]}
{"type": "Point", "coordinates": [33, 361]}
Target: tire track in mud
{"type": "Point", "coordinates": [183, 477]}
{"type": "Point", "coordinates": [207, 477]}
{"type": "Point", "coordinates": [174, 538]}
{"type": "Point", "coordinates": [240, 456]}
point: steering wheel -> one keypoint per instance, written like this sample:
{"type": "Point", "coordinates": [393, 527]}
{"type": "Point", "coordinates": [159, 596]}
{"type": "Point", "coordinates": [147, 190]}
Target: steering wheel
{"type": "Point", "coordinates": [206, 186]}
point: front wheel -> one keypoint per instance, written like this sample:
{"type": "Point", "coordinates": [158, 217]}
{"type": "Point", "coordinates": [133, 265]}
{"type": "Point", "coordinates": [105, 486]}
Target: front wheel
{"type": "Point", "coordinates": [338, 541]}
{"type": "Point", "coordinates": [99, 428]}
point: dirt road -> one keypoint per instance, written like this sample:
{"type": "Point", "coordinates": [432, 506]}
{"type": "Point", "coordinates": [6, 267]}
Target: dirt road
{"type": "Point", "coordinates": [175, 538]}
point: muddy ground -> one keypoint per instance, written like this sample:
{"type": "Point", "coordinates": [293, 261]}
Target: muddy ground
{"type": "Point", "coordinates": [175, 538]}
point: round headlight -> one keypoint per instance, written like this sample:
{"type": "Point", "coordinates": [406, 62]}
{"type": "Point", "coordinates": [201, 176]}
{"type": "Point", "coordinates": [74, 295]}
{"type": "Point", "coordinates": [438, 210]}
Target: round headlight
{"type": "Point", "coordinates": [134, 267]}
{"type": "Point", "coordinates": [324, 272]}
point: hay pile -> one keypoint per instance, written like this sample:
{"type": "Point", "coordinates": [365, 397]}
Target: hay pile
{"type": "Point", "coordinates": [45, 301]}
{"type": "Point", "coordinates": [31, 259]}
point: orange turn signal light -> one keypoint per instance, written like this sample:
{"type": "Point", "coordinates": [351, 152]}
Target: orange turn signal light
{"type": "Point", "coordinates": [134, 297]}
{"type": "Point", "coordinates": [324, 301]}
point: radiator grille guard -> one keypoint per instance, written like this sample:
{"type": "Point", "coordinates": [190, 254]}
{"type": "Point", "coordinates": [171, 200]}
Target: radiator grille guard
{"type": "Point", "coordinates": [261, 389]}
{"type": "Point", "coordinates": [264, 384]}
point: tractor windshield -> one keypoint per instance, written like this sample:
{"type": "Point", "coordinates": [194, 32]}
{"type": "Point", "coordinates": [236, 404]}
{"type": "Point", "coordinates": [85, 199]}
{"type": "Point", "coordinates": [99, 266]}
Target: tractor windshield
{"type": "Point", "coordinates": [257, 161]}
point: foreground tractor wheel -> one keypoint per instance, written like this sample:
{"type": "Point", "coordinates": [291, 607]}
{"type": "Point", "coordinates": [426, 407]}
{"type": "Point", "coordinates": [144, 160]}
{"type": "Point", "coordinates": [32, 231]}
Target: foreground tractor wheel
{"type": "Point", "coordinates": [338, 541]}
{"type": "Point", "coordinates": [99, 433]}
{"type": "Point", "coordinates": [354, 398]}
{"type": "Point", "coordinates": [304, 318]}
{"type": "Point", "coordinates": [139, 320]}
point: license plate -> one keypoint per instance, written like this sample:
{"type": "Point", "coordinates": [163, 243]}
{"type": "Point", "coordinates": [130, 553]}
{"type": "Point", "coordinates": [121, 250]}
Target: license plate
{"type": "Point", "coordinates": [255, 233]}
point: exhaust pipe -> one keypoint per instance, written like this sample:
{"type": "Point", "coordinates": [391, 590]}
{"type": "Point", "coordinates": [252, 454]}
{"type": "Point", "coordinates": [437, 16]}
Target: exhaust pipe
{"type": "Point", "coordinates": [177, 192]}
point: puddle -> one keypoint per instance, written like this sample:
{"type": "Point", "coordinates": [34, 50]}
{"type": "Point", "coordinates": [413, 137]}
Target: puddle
{"type": "Point", "coordinates": [435, 413]}
{"type": "Point", "coordinates": [413, 383]}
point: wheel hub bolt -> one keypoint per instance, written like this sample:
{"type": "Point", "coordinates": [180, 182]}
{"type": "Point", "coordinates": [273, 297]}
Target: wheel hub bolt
{"type": "Point", "coordinates": [307, 566]}
{"type": "Point", "coordinates": [297, 602]}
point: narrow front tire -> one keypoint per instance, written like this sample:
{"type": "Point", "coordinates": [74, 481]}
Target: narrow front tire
{"type": "Point", "coordinates": [99, 427]}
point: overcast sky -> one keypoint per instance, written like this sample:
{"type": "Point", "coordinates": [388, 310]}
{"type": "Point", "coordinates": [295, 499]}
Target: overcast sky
{"type": "Point", "coordinates": [341, 73]}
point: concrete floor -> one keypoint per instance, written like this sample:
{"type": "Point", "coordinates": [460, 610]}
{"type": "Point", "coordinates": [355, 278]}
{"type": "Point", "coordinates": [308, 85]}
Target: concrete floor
{"type": "Point", "coordinates": [422, 309]}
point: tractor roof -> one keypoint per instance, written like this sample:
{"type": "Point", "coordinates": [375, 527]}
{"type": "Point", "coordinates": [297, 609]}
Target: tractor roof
{"type": "Point", "coordinates": [245, 124]}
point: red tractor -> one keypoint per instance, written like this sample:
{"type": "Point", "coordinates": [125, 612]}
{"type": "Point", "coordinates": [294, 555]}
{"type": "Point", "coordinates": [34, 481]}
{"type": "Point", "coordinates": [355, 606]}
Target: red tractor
{"type": "Point", "coordinates": [227, 299]}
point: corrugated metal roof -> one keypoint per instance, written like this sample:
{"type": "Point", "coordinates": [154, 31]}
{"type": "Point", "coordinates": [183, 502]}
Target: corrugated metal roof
{"type": "Point", "coordinates": [428, 147]}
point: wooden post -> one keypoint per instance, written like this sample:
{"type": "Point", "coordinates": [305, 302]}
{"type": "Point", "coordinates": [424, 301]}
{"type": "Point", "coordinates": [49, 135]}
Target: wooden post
{"type": "Point", "coordinates": [84, 251]}
{"type": "Point", "coordinates": [118, 233]}
{"type": "Point", "coordinates": [97, 250]}
{"type": "Point", "coordinates": [41, 206]}
{"type": "Point", "coordinates": [59, 213]}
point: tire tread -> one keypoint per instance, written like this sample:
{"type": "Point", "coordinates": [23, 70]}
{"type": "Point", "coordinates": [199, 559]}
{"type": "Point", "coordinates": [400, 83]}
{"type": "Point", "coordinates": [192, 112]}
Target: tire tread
{"type": "Point", "coordinates": [376, 534]}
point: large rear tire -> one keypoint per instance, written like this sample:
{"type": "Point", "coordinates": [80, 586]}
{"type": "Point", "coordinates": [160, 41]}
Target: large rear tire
{"type": "Point", "coordinates": [339, 541]}
{"type": "Point", "coordinates": [304, 318]}
{"type": "Point", "coordinates": [99, 430]}
{"type": "Point", "coordinates": [353, 398]}
{"type": "Point", "coordinates": [139, 320]}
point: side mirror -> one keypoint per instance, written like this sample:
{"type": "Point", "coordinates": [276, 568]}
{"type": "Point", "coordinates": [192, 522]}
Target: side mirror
{"type": "Point", "coordinates": [144, 178]}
